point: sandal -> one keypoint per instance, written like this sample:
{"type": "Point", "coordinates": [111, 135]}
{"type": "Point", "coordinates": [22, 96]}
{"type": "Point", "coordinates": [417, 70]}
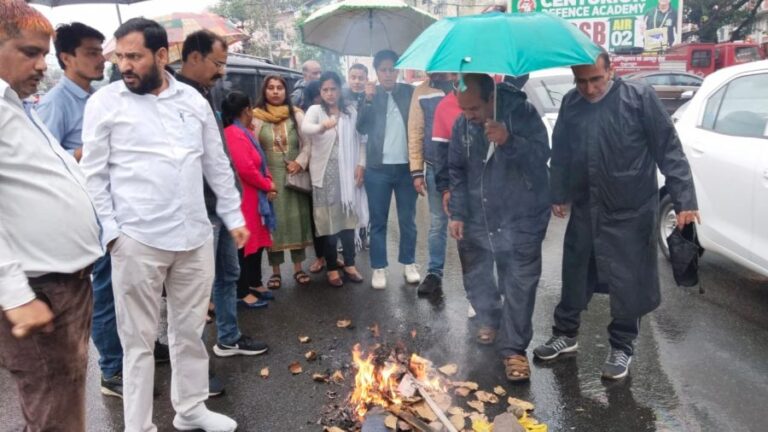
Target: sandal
{"type": "Point", "coordinates": [516, 368]}
{"type": "Point", "coordinates": [353, 276]}
{"type": "Point", "coordinates": [317, 266]}
{"type": "Point", "coordinates": [486, 335]}
{"type": "Point", "coordinates": [336, 282]}
{"type": "Point", "coordinates": [301, 277]}
{"type": "Point", "coordinates": [275, 282]}
{"type": "Point", "coordinates": [262, 295]}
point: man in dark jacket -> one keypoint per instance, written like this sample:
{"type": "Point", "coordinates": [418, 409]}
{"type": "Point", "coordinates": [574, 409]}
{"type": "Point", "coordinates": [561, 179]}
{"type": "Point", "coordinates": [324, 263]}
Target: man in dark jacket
{"type": "Point", "coordinates": [499, 212]}
{"type": "Point", "coordinates": [384, 118]}
{"type": "Point", "coordinates": [609, 138]}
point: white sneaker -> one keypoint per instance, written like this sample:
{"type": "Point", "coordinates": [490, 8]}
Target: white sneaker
{"type": "Point", "coordinates": [379, 278]}
{"type": "Point", "coordinates": [208, 421]}
{"type": "Point", "coordinates": [412, 274]}
{"type": "Point", "coordinates": [471, 312]}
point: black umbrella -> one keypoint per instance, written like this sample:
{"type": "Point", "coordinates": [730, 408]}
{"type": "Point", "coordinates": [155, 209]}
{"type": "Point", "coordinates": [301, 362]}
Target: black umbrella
{"type": "Point", "coordinates": [684, 252]}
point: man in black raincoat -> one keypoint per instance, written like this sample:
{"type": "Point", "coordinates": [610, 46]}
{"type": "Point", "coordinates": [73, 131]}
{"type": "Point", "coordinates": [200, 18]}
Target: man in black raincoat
{"type": "Point", "coordinates": [609, 138]}
{"type": "Point", "coordinates": [499, 209]}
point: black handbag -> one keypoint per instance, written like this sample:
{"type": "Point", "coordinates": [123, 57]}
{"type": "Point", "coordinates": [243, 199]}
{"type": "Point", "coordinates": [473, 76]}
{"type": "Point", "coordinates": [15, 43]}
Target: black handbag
{"type": "Point", "coordinates": [684, 253]}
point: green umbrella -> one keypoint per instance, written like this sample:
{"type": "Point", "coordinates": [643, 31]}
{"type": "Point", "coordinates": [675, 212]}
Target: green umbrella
{"type": "Point", "coordinates": [497, 43]}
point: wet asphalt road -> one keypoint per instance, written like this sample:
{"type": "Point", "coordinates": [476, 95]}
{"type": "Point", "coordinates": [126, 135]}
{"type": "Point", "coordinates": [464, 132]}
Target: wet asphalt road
{"type": "Point", "coordinates": [700, 362]}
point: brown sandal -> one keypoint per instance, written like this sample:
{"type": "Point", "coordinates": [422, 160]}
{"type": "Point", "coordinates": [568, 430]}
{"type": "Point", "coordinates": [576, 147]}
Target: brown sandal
{"type": "Point", "coordinates": [486, 335]}
{"type": "Point", "coordinates": [517, 368]}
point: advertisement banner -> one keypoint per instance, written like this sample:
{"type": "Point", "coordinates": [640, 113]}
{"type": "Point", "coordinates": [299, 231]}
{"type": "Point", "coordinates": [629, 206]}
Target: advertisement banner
{"type": "Point", "coordinates": [620, 26]}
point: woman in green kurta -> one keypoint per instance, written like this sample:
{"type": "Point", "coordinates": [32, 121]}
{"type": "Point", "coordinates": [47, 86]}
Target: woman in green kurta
{"type": "Point", "coordinates": [276, 124]}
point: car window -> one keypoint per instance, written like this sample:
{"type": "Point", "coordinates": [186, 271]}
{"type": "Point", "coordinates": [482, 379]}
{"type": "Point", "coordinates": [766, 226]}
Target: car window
{"type": "Point", "coordinates": [746, 54]}
{"type": "Point", "coordinates": [701, 58]}
{"type": "Point", "coordinates": [659, 80]}
{"type": "Point", "coordinates": [687, 80]}
{"type": "Point", "coordinates": [743, 110]}
{"type": "Point", "coordinates": [711, 109]}
{"type": "Point", "coordinates": [548, 92]}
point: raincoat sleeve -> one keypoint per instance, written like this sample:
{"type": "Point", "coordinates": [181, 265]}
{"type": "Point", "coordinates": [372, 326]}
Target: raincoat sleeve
{"type": "Point", "coordinates": [561, 159]}
{"type": "Point", "coordinates": [365, 117]}
{"type": "Point", "coordinates": [527, 145]}
{"type": "Point", "coordinates": [665, 146]}
{"type": "Point", "coordinates": [457, 174]}
{"type": "Point", "coordinates": [416, 133]}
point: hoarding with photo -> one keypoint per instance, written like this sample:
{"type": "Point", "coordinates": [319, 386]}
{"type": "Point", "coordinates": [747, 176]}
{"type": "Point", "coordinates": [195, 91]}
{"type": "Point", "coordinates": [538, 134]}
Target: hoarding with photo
{"type": "Point", "coordinates": [620, 26]}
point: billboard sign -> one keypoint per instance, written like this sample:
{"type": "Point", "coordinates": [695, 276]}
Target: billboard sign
{"type": "Point", "coordinates": [620, 26]}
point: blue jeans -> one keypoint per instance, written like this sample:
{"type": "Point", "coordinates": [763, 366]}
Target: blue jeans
{"type": "Point", "coordinates": [104, 324]}
{"type": "Point", "coordinates": [225, 283]}
{"type": "Point", "coordinates": [380, 182]}
{"type": "Point", "coordinates": [438, 225]}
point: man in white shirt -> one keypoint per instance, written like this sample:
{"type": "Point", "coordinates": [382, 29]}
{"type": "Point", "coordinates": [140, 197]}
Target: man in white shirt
{"type": "Point", "coordinates": [49, 238]}
{"type": "Point", "coordinates": [148, 140]}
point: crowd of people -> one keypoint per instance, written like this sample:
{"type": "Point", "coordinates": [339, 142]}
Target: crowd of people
{"type": "Point", "coordinates": [145, 200]}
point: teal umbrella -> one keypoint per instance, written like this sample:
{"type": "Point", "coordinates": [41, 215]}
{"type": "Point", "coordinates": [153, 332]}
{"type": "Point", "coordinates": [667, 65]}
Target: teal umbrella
{"type": "Point", "coordinates": [498, 43]}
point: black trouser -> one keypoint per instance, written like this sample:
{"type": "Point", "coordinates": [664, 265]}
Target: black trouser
{"type": "Point", "coordinates": [622, 331]}
{"type": "Point", "coordinates": [518, 271]}
{"type": "Point", "coordinates": [317, 241]}
{"type": "Point", "coordinates": [250, 273]}
{"type": "Point", "coordinates": [331, 254]}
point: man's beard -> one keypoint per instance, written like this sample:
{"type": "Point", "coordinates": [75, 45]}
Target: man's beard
{"type": "Point", "coordinates": [151, 81]}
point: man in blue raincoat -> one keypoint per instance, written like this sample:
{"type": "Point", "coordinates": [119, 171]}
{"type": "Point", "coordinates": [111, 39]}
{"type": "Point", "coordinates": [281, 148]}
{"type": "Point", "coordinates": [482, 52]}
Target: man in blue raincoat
{"type": "Point", "coordinates": [499, 209]}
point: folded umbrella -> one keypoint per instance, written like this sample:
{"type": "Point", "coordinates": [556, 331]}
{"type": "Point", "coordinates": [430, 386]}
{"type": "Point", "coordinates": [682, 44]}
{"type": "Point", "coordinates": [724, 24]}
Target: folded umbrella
{"type": "Point", "coordinates": [684, 253]}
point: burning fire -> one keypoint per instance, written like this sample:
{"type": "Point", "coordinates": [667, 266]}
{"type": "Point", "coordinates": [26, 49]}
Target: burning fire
{"type": "Point", "coordinates": [374, 384]}
{"type": "Point", "coordinates": [378, 382]}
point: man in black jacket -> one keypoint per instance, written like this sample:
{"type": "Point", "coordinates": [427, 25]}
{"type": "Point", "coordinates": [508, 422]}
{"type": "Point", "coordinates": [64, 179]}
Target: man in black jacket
{"type": "Point", "coordinates": [610, 137]}
{"type": "Point", "coordinates": [499, 209]}
{"type": "Point", "coordinates": [383, 117]}
{"type": "Point", "coordinates": [204, 59]}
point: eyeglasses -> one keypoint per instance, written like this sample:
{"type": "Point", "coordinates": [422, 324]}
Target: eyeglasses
{"type": "Point", "coordinates": [218, 64]}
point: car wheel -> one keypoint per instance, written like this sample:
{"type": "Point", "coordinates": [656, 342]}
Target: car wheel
{"type": "Point", "coordinates": [667, 222]}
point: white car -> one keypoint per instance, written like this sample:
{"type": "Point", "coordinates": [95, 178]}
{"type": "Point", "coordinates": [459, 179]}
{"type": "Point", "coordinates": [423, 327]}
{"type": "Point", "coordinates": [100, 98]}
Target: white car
{"type": "Point", "coordinates": [545, 90]}
{"type": "Point", "coordinates": [724, 131]}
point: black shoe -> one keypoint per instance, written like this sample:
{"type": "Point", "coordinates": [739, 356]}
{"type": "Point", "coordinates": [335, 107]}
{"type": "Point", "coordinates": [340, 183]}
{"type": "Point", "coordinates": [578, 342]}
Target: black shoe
{"type": "Point", "coordinates": [245, 346]}
{"type": "Point", "coordinates": [430, 285]}
{"type": "Point", "coordinates": [215, 386]}
{"type": "Point", "coordinates": [555, 346]}
{"type": "Point", "coordinates": [616, 365]}
{"type": "Point", "coordinates": [162, 355]}
{"type": "Point", "coordinates": [112, 386]}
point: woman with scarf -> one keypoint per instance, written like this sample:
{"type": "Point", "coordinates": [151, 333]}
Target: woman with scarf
{"type": "Point", "coordinates": [251, 168]}
{"type": "Point", "coordinates": [276, 124]}
{"type": "Point", "coordinates": [337, 167]}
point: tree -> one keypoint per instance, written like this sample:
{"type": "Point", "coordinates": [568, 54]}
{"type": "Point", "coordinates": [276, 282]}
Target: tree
{"type": "Point", "coordinates": [256, 16]}
{"type": "Point", "coordinates": [330, 60]}
{"type": "Point", "coordinates": [711, 15]}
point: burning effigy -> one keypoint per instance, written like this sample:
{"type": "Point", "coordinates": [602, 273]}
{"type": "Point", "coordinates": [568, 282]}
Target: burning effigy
{"type": "Point", "coordinates": [394, 390]}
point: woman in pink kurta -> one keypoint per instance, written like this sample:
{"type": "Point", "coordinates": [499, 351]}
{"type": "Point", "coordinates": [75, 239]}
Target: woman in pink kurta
{"type": "Point", "coordinates": [256, 181]}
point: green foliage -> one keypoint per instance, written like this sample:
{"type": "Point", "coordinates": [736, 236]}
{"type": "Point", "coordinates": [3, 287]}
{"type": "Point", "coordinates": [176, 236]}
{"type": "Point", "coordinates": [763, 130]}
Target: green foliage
{"type": "Point", "coordinates": [710, 15]}
{"type": "Point", "coordinates": [330, 60]}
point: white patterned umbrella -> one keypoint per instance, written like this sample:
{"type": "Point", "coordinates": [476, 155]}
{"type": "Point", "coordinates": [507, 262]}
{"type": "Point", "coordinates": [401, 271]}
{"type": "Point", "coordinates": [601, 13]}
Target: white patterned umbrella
{"type": "Point", "coordinates": [363, 27]}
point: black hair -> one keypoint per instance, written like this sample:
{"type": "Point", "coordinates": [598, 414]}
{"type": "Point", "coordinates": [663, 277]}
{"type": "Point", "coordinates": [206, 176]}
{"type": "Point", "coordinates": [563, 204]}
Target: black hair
{"type": "Point", "coordinates": [384, 55]}
{"type": "Point", "coordinates": [70, 36]}
{"type": "Point", "coordinates": [483, 82]}
{"type": "Point", "coordinates": [342, 103]}
{"type": "Point", "coordinates": [233, 105]}
{"type": "Point", "coordinates": [201, 41]}
{"type": "Point", "coordinates": [262, 102]}
{"type": "Point", "coordinates": [311, 91]}
{"type": "Point", "coordinates": [606, 58]}
{"type": "Point", "coordinates": [359, 66]}
{"type": "Point", "coordinates": [155, 36]}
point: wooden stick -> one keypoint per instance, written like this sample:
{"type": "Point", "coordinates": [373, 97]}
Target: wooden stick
{"type": "Point", "coordinates": [410, 419]}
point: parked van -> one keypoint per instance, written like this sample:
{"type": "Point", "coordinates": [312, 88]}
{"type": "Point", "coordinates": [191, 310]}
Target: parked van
{"type": "Point", "coordinates": [246, 73]}
{"type": "Point", "coordinates": [696, 58]}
